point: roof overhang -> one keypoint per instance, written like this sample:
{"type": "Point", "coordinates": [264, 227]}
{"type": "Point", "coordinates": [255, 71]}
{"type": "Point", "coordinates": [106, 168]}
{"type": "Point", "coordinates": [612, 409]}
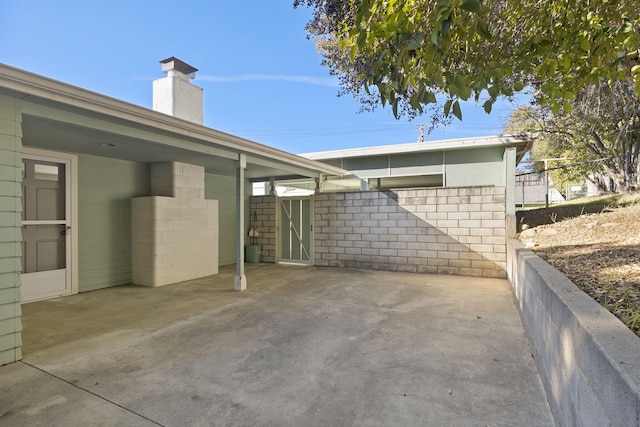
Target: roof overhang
{"type": "Point", "coordinates": [63, 117]}
{"type": "Point", "coordinates": [521, 142]}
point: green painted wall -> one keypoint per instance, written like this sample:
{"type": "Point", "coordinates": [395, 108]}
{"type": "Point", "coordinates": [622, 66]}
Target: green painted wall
{"type": "Point", "coordinates": [223, 189]}
{"type": "Point", "coordinates": [10, 229]}
{"type": "Point", "coordinates": [416, 163]}
{"type": "Point", "coordinates": [367, 166]}
{"type": "Point", "coordinates": [478, 166]}
{"type": "Point", "coordinates": [465, 167]}
{"type": "Point", "coordinates": [105, 189]}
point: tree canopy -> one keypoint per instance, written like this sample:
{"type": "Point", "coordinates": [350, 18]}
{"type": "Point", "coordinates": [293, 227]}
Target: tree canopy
{"type": "Point", "coordinates": [406, 52]}
{"type": "Point", "coordinates": [600, 135]}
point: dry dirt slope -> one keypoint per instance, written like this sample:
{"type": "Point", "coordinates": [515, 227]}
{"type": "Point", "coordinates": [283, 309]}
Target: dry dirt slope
{"type": "Point", "coordinates": [600, 253]}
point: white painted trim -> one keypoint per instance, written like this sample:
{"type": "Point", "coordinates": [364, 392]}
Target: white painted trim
{"type": "Point", "coordinates": [399, 175]}
{"type": "Point", "coordinates": [72, 180]}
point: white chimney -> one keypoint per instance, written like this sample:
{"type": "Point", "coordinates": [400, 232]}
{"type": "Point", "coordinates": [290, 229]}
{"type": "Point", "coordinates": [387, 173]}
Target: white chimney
{"type": "Point", "coordinates": [175, 95]}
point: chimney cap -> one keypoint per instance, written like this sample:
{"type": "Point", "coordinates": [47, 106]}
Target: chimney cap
{"type": "Point", "coordinates": [174, 63]}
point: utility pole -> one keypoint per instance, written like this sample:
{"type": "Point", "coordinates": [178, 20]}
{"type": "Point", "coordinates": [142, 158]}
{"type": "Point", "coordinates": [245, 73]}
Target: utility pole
{"type": "Point", "coordinates": [421, 130]}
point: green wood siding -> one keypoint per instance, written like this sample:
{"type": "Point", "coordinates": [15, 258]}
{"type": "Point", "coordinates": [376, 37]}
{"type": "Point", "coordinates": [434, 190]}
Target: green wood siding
{"type": "Point", "coordinates": [10, 229]}
{"type": "Point", "coordinates": [105, 189]}
{"type": "Point", "coordinates": [223, 189]}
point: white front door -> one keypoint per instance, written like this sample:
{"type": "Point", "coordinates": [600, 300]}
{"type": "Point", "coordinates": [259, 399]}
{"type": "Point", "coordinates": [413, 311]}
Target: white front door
{"type": "Point", "coordinates": [46, 225]}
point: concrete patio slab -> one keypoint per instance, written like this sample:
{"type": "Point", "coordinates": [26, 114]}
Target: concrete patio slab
{"type": "Point", "coordinates": [303, 346]}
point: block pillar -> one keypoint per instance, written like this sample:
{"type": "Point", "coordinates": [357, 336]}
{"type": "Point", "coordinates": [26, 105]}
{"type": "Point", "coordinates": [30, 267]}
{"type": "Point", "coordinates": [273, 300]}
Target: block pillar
{"type": "Point", "coordinates": [175, 230]}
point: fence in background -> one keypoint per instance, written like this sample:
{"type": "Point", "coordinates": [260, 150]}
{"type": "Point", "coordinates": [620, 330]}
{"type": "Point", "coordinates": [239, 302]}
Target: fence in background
{"type": "Point", "coordinates": [536, 188]}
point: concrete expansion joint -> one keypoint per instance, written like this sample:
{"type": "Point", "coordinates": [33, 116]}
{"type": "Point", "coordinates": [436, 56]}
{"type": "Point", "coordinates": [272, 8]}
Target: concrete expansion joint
{"type": "Point", "coordinates": [90, 392]}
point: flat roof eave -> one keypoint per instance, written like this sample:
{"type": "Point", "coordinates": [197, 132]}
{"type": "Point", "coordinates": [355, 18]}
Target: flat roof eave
{"type": "Point", "coordinates": [441, 145]}
{"type": "Point", "coordinates": [31, 86]}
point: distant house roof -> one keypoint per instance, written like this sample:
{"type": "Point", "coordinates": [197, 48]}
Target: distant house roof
{"type": "Point", "coordinates": [523, 143]}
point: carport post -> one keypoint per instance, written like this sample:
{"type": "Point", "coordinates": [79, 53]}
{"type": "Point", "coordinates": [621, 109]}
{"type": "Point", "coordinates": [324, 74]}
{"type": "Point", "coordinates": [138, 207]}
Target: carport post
{"type": "Point", "coordinates": [240, 280]}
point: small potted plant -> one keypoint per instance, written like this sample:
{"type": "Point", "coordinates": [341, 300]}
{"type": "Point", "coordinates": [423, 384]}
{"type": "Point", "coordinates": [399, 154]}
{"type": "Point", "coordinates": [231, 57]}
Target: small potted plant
{"type": "Point", "coordinates": [253, 250]}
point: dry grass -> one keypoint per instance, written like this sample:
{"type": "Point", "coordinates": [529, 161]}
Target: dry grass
{"type": "Point", "coordinates": [599, 252]}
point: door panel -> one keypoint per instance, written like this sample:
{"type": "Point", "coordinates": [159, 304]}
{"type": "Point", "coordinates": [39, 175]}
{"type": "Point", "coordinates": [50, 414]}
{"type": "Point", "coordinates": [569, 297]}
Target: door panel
{"type": "Point", "coordinates": [49, 203]}
{"type": "Point", "coordinates": [44, 248]}
{"type": "Point", "coordinates": [45, 241]}
{"type": "Point", "coordinates": [296, 231]}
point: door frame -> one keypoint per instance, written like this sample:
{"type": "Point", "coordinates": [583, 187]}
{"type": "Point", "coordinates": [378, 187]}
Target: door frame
{"type": "Point", "coordinates": [72, 214]}
{"type": "Point", "coordinates": [279, 231]}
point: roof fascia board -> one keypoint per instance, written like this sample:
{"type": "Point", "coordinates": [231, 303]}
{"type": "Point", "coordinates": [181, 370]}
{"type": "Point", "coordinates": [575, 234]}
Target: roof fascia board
{"type": "Point", "coordinates": [444, 145]}
{"type": "Point", "coordinates": [33, 85]}
{"type": "Point", "coordinates": [295, 170]}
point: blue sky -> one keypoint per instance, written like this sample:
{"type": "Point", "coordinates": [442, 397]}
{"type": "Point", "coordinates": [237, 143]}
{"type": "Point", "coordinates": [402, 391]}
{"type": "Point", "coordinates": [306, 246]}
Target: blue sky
{"type": "Point", "coordinates": [262, 78]}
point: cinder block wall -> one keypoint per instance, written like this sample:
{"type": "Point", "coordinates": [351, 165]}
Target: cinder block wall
{"type": "Point", "coordinates": [587, 358]}
{"type": "Point", "coordinates": [265, 209]}
{"type": "Point", "coordinates": [459, 231]}
{"type": "Point", "coordinates": [10, 229]}
{"type": "Point", "coordinates": [174, 238]}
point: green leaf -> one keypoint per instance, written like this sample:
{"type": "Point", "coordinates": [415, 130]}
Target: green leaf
{"type": "Point", "coordinates": [447, 107]}
{"type": "Point", "coordinates": [415, 103]}
{"type": "Point", "coordinates": [446, 25]}
{"type": "Point", "coordinates": [457, 111]}
{"type": "Point", "coordinates": [518, 86]}
{"type": "Point", "coordinates": [413, 45]}
{"type": "Point", "coordinates": [434, 37]}
{"type": "Point", "coordinates": [471, 6]}
{"type": "Point", "coordinates": [465, 92]}
{"type": "Point", "coordinates": [431, 98]}
{"type": "Point", "coordinates": [352, 52]}
{"type": "Point", "coordinates": [488, 105]}
{"type": "Point", "coordinates": [482, 28]}
{"type": "Point", "coordinates": [585, 45]}
{"type": "Point", "coordinates": [484, 10]}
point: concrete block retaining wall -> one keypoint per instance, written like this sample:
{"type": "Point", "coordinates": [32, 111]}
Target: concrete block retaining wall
{"type": "Point", "coordinates": [588, 360]}
{"type": "Point", "coordinates": [458, 231]}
